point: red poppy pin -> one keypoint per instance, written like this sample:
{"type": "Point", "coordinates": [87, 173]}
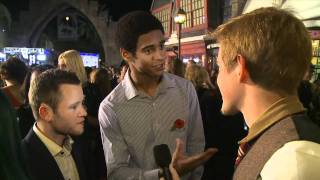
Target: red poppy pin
{"type": "Point", "coordinates": [178, 124]}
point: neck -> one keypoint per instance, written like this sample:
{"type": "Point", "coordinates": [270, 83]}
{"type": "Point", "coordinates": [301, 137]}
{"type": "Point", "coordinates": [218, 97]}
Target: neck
{"type": "Point", "coordinates": [253, 107]}
{"type": "Point", "coordinates": [147, 84]}
{"type": "Point", "coordinates": [50, 133]}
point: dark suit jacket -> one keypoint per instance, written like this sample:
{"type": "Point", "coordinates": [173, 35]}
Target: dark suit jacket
{"type": "Point", "coordinates": [40, 164]}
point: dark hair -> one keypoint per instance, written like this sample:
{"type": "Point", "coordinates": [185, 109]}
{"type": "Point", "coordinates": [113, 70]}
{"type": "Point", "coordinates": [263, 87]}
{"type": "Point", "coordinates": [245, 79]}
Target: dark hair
{"type": "Point", "coordinates": [45, 88]}
{"type": "Point", "coordinates": [11, 162]}
{"type": "Point", "coordinates": [14, 69]}
{"type": "Point", "coordinates": [101, 80]}
{"type": "Point", "coordinates": [132, 25]}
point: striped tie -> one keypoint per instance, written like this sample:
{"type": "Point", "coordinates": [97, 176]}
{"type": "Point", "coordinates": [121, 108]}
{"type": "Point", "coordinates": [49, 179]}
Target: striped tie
{"type": "Point", "coordinates": [242, 151]}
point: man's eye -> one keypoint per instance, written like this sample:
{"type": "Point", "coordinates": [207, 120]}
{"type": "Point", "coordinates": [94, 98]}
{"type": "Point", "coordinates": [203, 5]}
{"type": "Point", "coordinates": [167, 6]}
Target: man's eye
{"type": "Point", "coordinates": [148, 51]}
{"type": "Point", "coordinates": [73, 107]}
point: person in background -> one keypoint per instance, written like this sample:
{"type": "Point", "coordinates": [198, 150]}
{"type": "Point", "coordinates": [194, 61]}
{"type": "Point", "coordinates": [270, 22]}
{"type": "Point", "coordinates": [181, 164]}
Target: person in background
{"type": "Point", "coordinates": [12, 165]}
{"type": "Point", "coordinates": [260, 68]}
{"type": "Point", "coordinates": [13, 72]}
{"type": "Point", "coordinates": [200, 79]}
{"type": "Point", "coordinates": [149, 107]}
{"type": "Point", "coordinates": [123, 69]}
{"type": "Point", "coordinates": [56, 99]}
{"type": "Point", "coordinates": [100, 79]}
{"type": "Point", "coordinates": [216, 125]}
{"type": "Point", "coordinates": [175, 66]}
{"type": "Point", "coordinates": [309, 95]}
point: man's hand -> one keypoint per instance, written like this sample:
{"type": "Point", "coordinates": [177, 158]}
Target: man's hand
{"type": "Point", "coordinates": [185, 164]}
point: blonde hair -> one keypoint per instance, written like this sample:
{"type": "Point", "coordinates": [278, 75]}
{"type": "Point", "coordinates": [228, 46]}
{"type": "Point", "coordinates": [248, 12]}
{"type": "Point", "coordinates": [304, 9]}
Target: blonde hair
{"type": "Point", "coordinates": [198, 75]}
{"type": "Point", "coordinates": [74, 63]}
{"type": "Point", "coordinates": [276, 59]}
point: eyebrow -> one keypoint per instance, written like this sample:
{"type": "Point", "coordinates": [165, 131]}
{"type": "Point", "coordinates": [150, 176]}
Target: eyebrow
{"type": "Point", "coordinates": [148, 46]}
{"type": "Point", "coordinates": [152, 45]}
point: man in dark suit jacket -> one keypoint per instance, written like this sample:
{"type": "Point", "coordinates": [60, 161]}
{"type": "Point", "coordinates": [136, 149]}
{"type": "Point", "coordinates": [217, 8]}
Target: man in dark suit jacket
{"type": "Point", "coordinates": [56, 98]}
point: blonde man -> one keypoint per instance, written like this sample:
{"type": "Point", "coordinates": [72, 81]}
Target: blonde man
{"type": "Point", "coordinates": [56, 100]}
{"type": "Point", "coordinates": [260, 68]}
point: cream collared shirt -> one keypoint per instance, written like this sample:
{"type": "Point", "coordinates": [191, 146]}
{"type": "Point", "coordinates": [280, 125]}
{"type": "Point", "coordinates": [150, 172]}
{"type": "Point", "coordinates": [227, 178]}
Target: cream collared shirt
{"type": "Point", "coordinates": [62, 155]}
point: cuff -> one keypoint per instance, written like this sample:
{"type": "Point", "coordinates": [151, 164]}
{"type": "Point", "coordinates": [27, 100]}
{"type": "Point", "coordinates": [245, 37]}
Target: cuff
{"type": "Point", "coordinates": [152, 174]}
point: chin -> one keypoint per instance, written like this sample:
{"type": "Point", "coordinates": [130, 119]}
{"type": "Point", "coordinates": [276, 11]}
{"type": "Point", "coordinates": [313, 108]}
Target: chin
{"type": "Point", "coordinates": [228, 111]}
{"type": "Point", "coordinates": [77, 132]}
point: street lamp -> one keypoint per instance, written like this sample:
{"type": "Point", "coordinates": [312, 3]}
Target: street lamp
{"type": "Point", "coordinates": [180, 18]}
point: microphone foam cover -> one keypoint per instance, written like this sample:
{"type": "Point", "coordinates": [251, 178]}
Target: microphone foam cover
{"type": "Point", "coordinates": [162, 155]}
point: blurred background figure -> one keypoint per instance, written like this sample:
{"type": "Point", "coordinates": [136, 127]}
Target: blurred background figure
{"type": "Point", "coordinates": [200, 78]}
{"type": "Point", "coordinates": [11, 161]}
{"type": "Point", "coordinates": [309, 95]}
{"type": "Point", "coordinates": [100, 78]}
{"type": "Point", "coordinates": [71, 61]}
{"type": "Point", "coordinates": [13, 72]}
{"type": "Point", "coordinates": [175, 66]}
{"type": "Point", "coordinates": [123, 69]}
{"type": "Point", "coordinates": [222, 132]}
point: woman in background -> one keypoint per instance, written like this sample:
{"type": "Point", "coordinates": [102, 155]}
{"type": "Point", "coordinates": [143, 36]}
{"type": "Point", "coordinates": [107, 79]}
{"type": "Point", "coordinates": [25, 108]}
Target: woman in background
{"type": "Point", "coordinates": [216, 125]}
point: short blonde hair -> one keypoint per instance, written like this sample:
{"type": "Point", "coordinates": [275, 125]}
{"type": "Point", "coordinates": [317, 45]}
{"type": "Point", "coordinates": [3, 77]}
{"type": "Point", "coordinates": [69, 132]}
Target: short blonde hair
{"type": "Point", "coordinates": [74, 63]}
{"type": "Point", "coordinates": [276, 59]}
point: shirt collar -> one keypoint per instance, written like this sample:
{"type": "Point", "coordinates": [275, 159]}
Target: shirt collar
{"type": "Point", "coordinates": [53, 147]}
{"type": "Point", "coordinates": [131, 91]}
{"type": "Point", "coordinates": [276, 112]}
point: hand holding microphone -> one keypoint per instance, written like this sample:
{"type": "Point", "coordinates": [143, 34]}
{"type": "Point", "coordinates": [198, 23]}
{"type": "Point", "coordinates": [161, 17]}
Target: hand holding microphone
{"type": "Point", "coordinates": [179, 164]}
{"type": "Point", "coordinates": [162, 157]}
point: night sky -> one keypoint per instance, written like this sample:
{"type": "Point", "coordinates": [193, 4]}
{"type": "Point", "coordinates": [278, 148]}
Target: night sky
{"type": "Point", "coordinates": [117, 8]}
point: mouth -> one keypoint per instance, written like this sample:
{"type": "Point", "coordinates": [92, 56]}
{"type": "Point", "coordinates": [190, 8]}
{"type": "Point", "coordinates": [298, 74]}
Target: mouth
{"type": "Point", "coordinates": [159, 66]}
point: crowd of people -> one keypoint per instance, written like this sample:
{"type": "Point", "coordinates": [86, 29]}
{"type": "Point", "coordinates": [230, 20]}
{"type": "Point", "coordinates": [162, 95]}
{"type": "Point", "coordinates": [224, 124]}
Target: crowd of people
{"type": "Point", "coordinates": [256, 116]}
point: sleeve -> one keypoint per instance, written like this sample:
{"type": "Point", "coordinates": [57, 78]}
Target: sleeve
{"type": "Point", "coordinates": [297, 160]}
{"type": "Point", "coordinates": [116, 150]}
{"type": "Point", "coordinates": [195, 138]}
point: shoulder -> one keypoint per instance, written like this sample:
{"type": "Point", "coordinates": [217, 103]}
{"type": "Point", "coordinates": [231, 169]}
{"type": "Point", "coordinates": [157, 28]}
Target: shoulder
{"type": "Point", "coordinates": [179, 82]}
{"type": "Point", "coordinates": [116, 96]}
{"type": "Point", "coordinates": [31, 140]}
{"type": "Point", "coordinates": [300, 158]}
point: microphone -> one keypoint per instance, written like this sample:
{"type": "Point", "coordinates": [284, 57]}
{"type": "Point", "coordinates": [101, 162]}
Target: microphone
{"type": "Point", "coordinates": [162, 157]}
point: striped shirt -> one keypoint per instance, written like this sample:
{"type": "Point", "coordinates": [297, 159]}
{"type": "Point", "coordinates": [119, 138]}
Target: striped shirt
{"type": "Point", "coordinates": [132, 123]}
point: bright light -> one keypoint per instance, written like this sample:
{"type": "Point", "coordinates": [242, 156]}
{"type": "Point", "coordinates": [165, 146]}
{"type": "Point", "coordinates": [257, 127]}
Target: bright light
{"type": "Point", "coordinates": [2, 55]}
{"type": "Point", "coordinates": [41, 57]}
{"type": "Point", "coordinates": [67, 18]}
{"type": "Point", "coordinates": [180, 17]}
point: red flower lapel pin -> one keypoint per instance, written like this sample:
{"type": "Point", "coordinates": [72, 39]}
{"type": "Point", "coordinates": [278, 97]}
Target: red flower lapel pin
{"type": "Point", "coordinates": [178, 124]}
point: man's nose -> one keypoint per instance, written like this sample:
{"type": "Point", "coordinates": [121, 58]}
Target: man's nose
{"type": "Point", "coordinates": [161, 54]}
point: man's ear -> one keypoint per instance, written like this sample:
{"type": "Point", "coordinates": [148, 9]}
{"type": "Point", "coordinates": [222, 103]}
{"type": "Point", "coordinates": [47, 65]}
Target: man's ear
{"type": "Point", "coordinates": [45, 112]}
{"type": "Point", "coordinates": [126, 55]}
{"type": "Point", "coordinates": [242, 69]}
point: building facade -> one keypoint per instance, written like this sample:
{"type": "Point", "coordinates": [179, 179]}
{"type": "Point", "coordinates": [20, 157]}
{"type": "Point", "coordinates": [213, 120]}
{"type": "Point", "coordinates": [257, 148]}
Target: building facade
{"type": "Point", "coordinates": [202, 17]}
